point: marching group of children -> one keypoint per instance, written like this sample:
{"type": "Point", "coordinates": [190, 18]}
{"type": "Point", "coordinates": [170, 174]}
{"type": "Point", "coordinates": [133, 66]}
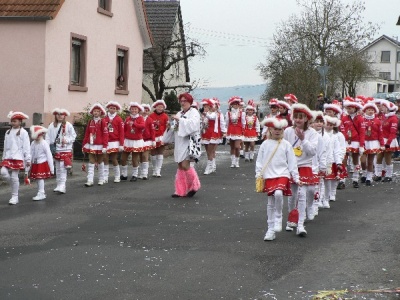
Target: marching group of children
{"type": "Point", "coordinates": [307, 160]}
{"type": "Point", "coordinates": [107, 135]}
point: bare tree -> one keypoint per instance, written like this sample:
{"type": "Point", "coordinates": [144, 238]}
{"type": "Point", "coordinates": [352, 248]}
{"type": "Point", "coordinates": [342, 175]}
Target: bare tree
{"type": "Point", "coordinates": [167, 58]}
{"type": "Point", "coordinates": [324, 31]}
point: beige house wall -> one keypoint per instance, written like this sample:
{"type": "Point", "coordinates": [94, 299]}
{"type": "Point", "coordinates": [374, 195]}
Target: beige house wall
{"type": "Point", "coordinates": [103, 34]}
{"type": "Point", "coordinates": [22, 67]}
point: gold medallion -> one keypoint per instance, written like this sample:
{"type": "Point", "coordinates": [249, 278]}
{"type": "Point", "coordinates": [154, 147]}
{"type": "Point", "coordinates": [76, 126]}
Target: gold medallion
{"type": "Point", "coordinates": [297, 151]}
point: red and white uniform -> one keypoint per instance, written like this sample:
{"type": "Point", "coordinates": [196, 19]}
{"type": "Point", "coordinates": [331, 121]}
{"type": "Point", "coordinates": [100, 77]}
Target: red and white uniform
{"type": "Point", "coordinates": [211, 132]}
{"type": "Point", "coordinates": [160, 122]}
{"type": "Point", "coordinates": [116, 134]}
{"type": "Point", "coordinates": [134, 126]}
{"type": "Point", "coordinates": [235, 122]}
{"type": "Point", "coordinates": [353, 130]}
{"type": "Point", "coordinates": [149, 136]}
{"type": "Point", "coordinates": [373, 134]}
{"type": "Point", "coordinates": [251, 129]}
{"type": "Point", "coordinates": [96, 136]}
{"type": "Point", "coordinates": [389, 128]}
{"type": "Point", "coordinates": [42, 160]}
{"type": "Point", "coordinates": [17, 149]}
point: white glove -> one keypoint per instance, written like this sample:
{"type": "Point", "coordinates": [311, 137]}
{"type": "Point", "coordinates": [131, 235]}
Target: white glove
{"type": "Point", "coordinates": [104, 150]}
{"type": "Point", "coordinates": [361, 150]}
{"type": "Point", "coordinates": [121, 148]}
{"type": "Point", "coordinates": [154, 144]}
{"type": "Point", "coordinates": [383, 148]}
{"type": "Point", "coordinates": [329, 170]}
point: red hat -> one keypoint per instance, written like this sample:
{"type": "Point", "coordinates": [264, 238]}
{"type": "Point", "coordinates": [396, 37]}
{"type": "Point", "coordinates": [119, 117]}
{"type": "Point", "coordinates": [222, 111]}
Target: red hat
{"type": "Point", "coordinates": [302, 108]}
{"type": "Point", "coordinates": [37, 130]}
{"type": "Point", "coordinates": [159, 102]}
{"type": "Point", "coordinates": [235, 100]}
{"type": "Point", "coordinates": [114, 104]}
{"type": "Point", "coordinates": [187, 96]}
{"type": "Point", "coordinates": [146, 106]}
{"type": "Point", "coordinates": [60, 111]}
{"type": "Point", "coordinates": [208, 102]}
{"type": "Point", "coordinates": [17, 115]}
{"type": "Point", "coordinates": [284, 104]}
{"type": "Point", "coordinates": [333, 120]}
{"type": "Point", "coordinates": [97, 106]}
{"type": "Point", "coordinates": [273, 102]}
{"type": "Point", "coordinates": [318, 115]}
{"type": "Point", "coordinates": [216, 100]}
{"type": "Point", "coordinates": [370, 104]}
{"type": "Point", "coordinates": [274, 123]}
{"type": "Point", "coordinates": [291, 97]}
{"type": "Point", "coordinates": [333, 106]}
{"type": "Point", "coordinates": [350, 102]}
{"type": "Point", "coordinates": [136, 104]}
{"type": "Point", "coordinates": [390, 105]}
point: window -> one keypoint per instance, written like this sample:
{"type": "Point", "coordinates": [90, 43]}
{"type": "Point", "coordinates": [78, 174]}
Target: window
{"type": "Point", "coordinates": [384, 75]}
{"type": "Point", "coordinates": [77, 72]}
{"type": "Point", "coordinates": [385, 56]}
{"type": "Point", "coordinates": [121, 79]}
{"type": "Point", "coordinates": [398, 56]}
{"type": "Point", "coordinates": [105, 7]}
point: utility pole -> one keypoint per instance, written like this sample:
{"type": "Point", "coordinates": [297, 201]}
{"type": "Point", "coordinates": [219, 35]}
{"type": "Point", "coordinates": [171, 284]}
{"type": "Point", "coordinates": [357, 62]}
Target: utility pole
{"type": "Point", "coordinates": [323, 70]}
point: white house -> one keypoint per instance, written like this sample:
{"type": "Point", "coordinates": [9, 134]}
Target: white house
{"type": "Point", "coordinates": [384, 55]}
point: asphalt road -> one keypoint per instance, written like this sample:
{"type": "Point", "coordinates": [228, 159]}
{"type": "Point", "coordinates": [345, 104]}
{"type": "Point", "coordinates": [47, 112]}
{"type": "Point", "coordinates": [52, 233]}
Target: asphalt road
{"type": "Point", "coordinates": [133, 241]}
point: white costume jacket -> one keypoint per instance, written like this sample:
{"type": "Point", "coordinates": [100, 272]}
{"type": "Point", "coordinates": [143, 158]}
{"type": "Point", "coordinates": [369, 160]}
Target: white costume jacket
{"type": "Point", "coordinates": [68, 135]}
{"type": "Point", "coordinates": [17, 147]}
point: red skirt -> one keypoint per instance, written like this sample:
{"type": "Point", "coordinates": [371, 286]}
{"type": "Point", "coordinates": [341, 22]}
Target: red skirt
{"type": "Point", "coordinates": [280, 183]}
{"type": "Point", "coordinates": [334, 174]}
{"type": "Point", "coordinates": [13, 164]}
{"type": "Point", "coordinates": [307, 177]}
{"type": "Point", "coordinates": [40, 171]}
{"type": "Point", "coordinates": [64, 156]}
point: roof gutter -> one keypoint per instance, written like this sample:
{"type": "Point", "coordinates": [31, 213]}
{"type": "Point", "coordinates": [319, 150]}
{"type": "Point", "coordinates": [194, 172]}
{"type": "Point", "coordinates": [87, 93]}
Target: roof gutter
{"type": "Point", "coordinates": [25, 18]}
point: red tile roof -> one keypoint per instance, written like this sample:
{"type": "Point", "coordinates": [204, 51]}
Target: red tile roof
{"type": "Point", "coordinates": [30, 8]}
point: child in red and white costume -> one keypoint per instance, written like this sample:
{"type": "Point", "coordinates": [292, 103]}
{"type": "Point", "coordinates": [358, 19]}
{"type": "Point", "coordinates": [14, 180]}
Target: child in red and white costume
{"type": "Point", "coordinates": [63, 135]}
{"type": "Point", "coordinates": [321, 164]}
{"type": "Point", "coordinates": [353, 130]}
{"type": "Point", "coordinates": [161, 121]}
{"type": "Point", "coordinates": [16, 153]}
{"type": "Point", "coordinates": [373, 140]}
{"type": "Point", "coordinates": [251, 131]}
{"type": "Point", "coordinates": [116, 136]}
{"type": "Point", "coordinates": [284, 112]}
{"type": "Point", "coordinates": [235, 123]}
{"type": "Point", "coordinates": [338, 152]}
{"type": "Point", "coordinates": [42, 166]}
{"type": "Point", "coordinates": [149, 140]}
{"type": "Point", "coordinates": [274, 113]}
{"type": "Point", "coordinates": [95, 143]}
{"type": "Point", "coordinates": [134, 126]}
{"type": "Point", "coordinates": [304, 141]}
{"type": "Point", "coordinates": [210, 132]}
{"type": "Point", "coordinates": [276, 163]}
{"type": "Point", "coordinates": [389, 128]}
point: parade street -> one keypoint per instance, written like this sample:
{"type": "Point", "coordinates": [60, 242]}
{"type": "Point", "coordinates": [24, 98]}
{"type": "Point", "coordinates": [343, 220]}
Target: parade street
{"type": "Point", "coordinates": [131, 240]}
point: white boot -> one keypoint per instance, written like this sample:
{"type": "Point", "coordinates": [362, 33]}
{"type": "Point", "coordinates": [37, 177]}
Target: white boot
{"type": "Point", "coordinates": [233, 161]}
{"type": "Point", "coordinates": [140, 171]}
{"type": "Point", "coordinates": [63, 180]}
{"type": "Point", "coordinates": [57, 189]}
{"type": "Point", "coordinates": [237, 162]}
{"type": "Point", "coordinates": [124, 172]}
{"type": "Point", "coordinates": [270, 234]}
{"type": "Point", "coordinates": [135, 172]}
{"type": "Point", "coordinates": [278, 210]}
{"type": "Point", "coordinates": [106, 173]}
{"type": "Point", "coordinates": [214, 166]}
{"type": "Point", "coordinates": [90, 175]}
{"type": "Point", "coordinates": [208, 169]}
{"type": "Point", "coordinates": [251, 155]}
{"type": "Point", "coordinates": [247, 156]}
{"type": "Point", "coordinates": [14, 182]}
{"type": "Point", "coordinates": [39, 196]}
{"type": "Point", "coordinates": [101, 174]}
{"type": "Point", "coordinates": [160, 159]}
{"type": "Point", "coordinates": [117, 174]}
{"type": "Point", "coordinates": [145, 170]}
{"type": "Point", "coordinates": [154, 164]}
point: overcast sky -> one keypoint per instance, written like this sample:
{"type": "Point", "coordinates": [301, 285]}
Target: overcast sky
{"type": "Point", "coordinates": [236, 34]}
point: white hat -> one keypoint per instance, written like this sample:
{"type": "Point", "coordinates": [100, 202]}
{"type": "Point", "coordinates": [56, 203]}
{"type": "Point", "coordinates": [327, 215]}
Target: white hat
{"type": "Point", "coordinates": [61, 111]}
{"type": "Point", "coordinates": [333, 120]}
{"type": "Point", "coordinates": [370, 104]}
{"type": "Point", "coordinates": [17, 115]}
{"type": "Point", "coordinates": [274, 122]}
{"type": "Point", "coordinates": [336, 108]}
{"type": "Point", "coordinates": [318, 115]}
{"type": "Point", "coordinates": [146, 106]}
{"type": "Point", "coordinates": [159, 102]}
{"type": "Point", "coordinates": [302, 108]}
{"type": "Point", "coordinates": [37, 130]}
{"type": "Point", "coordinates": [284, 104]}
{"type": "Point", "coordinates": [350, 102]}
{"type": "Point", "coordinates": [97, 106]}
{"type": "Point", "coordinates": [136, 104]}
{"type": "Point", "coordinates": [113, 103]}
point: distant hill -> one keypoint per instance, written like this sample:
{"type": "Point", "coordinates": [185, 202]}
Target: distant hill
{"type": "Point", "coordinates": [246, 92]}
